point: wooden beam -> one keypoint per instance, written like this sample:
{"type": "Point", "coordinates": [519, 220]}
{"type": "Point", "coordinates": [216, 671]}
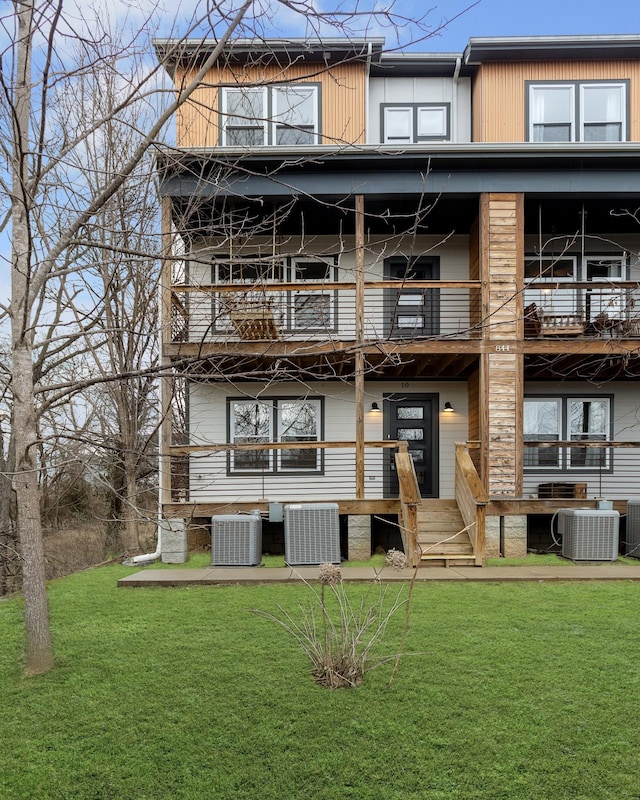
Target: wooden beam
{"type": "Point", "coordinates": [350, 506]}
{"type": "Point", "coordinates": [166, 382]}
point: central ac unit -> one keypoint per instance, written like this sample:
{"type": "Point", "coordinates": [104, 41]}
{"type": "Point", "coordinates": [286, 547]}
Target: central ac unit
{"type": "Point", "coordinates": [236, 540]}
{"type": "Point", "coordinates": [589, 534]}
{"type": "Point", "coordinates": [633, 529]}
{"type": "Point", "coordinates": [312, 533]}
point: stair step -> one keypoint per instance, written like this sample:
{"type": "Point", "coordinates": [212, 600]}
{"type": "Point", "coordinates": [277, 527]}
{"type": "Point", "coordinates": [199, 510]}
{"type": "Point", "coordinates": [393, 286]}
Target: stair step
{"type": "Point", "coordinates": [447, 557]}
{"type": "Point", "coordinates": [448, 548]}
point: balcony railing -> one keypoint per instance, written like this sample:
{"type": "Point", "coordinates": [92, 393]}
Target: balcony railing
{"type": "Point", "coordinates": [303, 311]}
{"type": "Point", "coordinates": [209, 473]}
{"type": "Point", "coordinates": [605, 309]}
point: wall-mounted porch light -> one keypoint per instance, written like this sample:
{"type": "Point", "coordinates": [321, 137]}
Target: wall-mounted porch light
{"type": "Point", "coordinates": [448, 407]}
{"type": "Point", "coordinates": [375, 408]}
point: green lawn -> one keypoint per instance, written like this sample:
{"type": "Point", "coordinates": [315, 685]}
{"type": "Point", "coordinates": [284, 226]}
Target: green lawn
{"type": "Point", "coordinates": [516, 691]}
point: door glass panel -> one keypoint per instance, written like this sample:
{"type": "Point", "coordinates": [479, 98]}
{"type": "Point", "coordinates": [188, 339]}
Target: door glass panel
{"type": "Point", "coordinates": [410, 412]}
{"type": "Point", "coordinates": [410, 322]}
{"type": "Point", "coordinates": [410, 299]}
{"type": "Point", "coordinates": [417, 456]}
{"type": "Point", "coordinates": [408, 434]}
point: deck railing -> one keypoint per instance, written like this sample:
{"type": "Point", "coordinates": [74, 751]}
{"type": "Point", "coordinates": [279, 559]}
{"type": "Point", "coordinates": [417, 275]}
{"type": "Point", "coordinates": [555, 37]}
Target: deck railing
{"type": "Point", "coordinates": [603, 309]}
{"type": "Point", "coordinates": [409, 500]}
{"type": "Point", "coordinates": [302, 311]}
{"type": "Point", "coordinates": [471, 498]}
{"type": "Point", "coordinates": [215, 474]}
{"type": "Point", "coordinates": [590, 470]}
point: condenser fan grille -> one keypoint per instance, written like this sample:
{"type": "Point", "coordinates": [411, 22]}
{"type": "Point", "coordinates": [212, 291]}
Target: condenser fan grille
{"type": "Point", "coordinates": [589, 535]}
{"type": "Point", "coordinates": [312, 533]}
{"type": "Point", "coordinates": [236, 540]}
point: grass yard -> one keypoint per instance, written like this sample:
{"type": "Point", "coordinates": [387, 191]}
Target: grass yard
{"type": "Point", "coordinates": [517, 691]}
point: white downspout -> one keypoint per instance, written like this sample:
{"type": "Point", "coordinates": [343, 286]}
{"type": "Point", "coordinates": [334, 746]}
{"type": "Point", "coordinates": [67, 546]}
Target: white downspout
{"type": "Point", "coordinates": [454, 116]}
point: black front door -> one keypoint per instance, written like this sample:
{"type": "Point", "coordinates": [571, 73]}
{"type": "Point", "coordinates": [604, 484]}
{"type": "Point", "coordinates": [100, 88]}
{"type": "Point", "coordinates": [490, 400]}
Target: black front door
{"type": "Point", "coordinates": [413, 418]}
{"type": "Point", "coordinates": [412, 312]}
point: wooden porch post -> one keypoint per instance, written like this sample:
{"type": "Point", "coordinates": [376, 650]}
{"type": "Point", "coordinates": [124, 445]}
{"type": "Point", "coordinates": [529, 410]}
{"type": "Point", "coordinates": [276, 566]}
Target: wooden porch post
{"type": "Point", "coordinates": [166, 388]}
{"type": "Point", "coordinates": [359, 365]}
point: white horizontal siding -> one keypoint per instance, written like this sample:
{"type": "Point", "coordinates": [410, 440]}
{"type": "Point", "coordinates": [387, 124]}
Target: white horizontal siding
{"type": "Point", "coordinates": [208, 425]}
{"type": "Point", "coordinates": [624, 481]}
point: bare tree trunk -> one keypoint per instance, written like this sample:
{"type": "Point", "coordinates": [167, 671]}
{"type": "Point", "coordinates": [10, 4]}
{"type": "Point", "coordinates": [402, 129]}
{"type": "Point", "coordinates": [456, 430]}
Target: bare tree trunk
{"type": "Point", "coordinates": [25, 482]}
{"type": "Point", "coordinates": [38, 636]}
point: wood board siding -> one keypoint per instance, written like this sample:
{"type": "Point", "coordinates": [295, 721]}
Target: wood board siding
{"type": "Point", "coordinates": [342, 100]}
{"type": "Point", "coordinates": [501, 254]}
{"type": "Point", "coordinates": [499, 95]}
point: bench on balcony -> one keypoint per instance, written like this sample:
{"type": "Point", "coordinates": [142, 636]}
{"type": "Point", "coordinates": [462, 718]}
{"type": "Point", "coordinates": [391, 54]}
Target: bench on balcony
{"type": "Point", "coordinates": [538, 322]}
{"type": "Point", "coordinates": [253, 319]}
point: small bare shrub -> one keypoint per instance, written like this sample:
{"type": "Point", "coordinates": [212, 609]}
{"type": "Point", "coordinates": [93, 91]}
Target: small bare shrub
{"type": "Point", "coordinates": [337, 632]}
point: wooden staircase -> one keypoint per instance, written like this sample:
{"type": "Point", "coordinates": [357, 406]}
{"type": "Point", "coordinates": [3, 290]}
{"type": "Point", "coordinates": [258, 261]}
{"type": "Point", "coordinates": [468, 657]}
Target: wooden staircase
{"type": "Point", "coordinates": [443, 539]}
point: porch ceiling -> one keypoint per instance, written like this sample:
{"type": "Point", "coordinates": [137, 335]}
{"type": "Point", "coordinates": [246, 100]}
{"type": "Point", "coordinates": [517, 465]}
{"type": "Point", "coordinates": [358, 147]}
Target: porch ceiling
{"type": "Point", "coordinates": [594, 367]}
{"type": "Point", "coordinates": [328, 366]}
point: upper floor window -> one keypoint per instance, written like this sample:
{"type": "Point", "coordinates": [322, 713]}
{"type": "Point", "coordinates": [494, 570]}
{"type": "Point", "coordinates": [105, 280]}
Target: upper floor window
{"type": "Point", "coordinates": [415, 122]}
{"type": "Point", "coordinates": [285, 115]}
{"type": "Point", "coordinates": [578, 112]}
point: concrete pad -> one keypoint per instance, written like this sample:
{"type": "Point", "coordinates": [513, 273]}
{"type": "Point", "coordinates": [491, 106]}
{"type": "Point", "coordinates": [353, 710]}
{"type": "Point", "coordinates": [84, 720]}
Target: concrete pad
{"type": "Point", "coordinates": [258, 575]}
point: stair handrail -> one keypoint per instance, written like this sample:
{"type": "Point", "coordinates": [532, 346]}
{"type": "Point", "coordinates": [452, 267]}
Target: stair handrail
{"type": "Point", "coordinates": [409, 494]}
{"type": "Point", "coordinates": [472, 499]}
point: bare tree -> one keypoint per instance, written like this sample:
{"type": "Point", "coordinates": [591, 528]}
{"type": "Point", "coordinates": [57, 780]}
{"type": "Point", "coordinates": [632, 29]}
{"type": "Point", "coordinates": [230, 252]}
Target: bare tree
{"type": "Point", "coordinates": [63, 207]}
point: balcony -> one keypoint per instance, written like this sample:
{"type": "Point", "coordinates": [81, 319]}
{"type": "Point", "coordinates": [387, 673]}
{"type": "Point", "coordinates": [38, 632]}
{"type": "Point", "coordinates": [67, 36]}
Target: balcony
{"type": "Point", "coordinates": [593, 309]}
{"type": "Point", "coordinates": [392, 310]}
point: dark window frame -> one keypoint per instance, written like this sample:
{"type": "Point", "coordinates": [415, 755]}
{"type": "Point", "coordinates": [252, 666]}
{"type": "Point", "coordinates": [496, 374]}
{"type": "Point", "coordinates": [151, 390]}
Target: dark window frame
{"type": "Point", "coordinates": [415, 139]}
{"type": "Point", "coordinates": [564, 467]}
{"type": "Point", "coordinates": [274, 469]}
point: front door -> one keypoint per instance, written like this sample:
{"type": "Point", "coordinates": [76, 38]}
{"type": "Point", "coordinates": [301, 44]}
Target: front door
{"type": "Point", "coordinates": [413, 418]}
{"type": "Point", "coordinates": [412, 312]}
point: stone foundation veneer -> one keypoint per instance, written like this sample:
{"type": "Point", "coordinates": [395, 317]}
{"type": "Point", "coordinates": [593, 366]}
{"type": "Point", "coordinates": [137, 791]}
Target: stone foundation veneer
{"type": "Point", "coordinates": [359, 537]}
{"type": "Point", "coordinates": [514, 536]}
{"type": "Point", "coordinates": [173, 542]}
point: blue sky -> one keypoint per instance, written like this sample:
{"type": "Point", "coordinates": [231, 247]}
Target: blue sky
{"type": "Point", "coordinates": [531, 18]}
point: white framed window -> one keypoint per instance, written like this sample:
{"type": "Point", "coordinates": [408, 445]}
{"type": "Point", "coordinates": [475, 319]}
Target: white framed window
{"type": "Point", "coordinates": [255, 271]}
{"type": "Point", "coordinates": [295, 114]}
{"type": "Point", "coordinates": [555, 270]}
{"type": "Point", "coordinates": [312, 310]}
{"type": "Point", "coordinates": [592, 111]}
{"type": "Point", "coordinates": [567, 418]}
{"type": "Point", "coordinates": [415, 122]}
{"type": "Point", "coordinates": [281, 114]}
{"type": "Point", "coordinates": [282, 419]}
{"type": "Point", "coordinates": [609, 303]}
{"type": "Point", "coordinates": [605, 303]}
{"type": "Point", "coordinates": [602, 112]}
{"type": "Point", "coordinates": [244, 114]}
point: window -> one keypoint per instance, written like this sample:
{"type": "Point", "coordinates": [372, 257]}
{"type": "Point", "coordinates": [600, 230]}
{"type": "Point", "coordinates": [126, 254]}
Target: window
{"type": "Point", "coordinates": [578, 112]}
{"type": "Point", "coordinates": [591, 304]}
{"type": "Point", "coordinates": [410, 123]}
{"type": "Point", "coordinates": [254, 271]}
{"type": "Point", "coordinates": [285, 115]}
{"type": "Point", "coordinates": [275, 420]}
{"type": "Point", "coordinates": [312, 311]}
{"type": "Point", "coordinates": [580, 419]}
